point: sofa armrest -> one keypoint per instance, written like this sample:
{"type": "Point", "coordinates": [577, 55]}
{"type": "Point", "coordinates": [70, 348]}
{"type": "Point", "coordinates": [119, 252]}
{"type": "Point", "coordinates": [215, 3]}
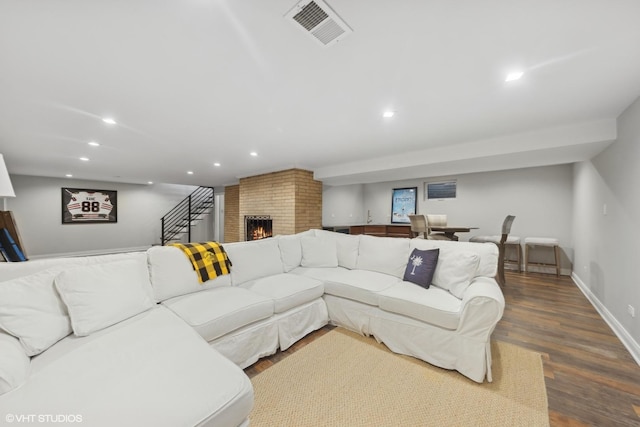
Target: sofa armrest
{"type": "Point", "coordinates": [482, 308]}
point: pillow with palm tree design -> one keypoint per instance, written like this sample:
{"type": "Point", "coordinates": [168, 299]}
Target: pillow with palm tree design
{"type": "Point", "coordinates": [421, 266]}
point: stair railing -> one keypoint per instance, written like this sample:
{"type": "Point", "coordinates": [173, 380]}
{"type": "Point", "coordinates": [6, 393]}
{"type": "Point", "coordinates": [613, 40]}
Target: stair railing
{"type": "Point", "coordinates": [178, 220]}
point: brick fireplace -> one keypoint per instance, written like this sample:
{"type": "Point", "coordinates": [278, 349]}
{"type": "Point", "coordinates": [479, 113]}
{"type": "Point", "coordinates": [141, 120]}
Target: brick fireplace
{"type": "Point", "coordinates": [258, 227]}
{"type": "Point", "coordinates": [292, 199]}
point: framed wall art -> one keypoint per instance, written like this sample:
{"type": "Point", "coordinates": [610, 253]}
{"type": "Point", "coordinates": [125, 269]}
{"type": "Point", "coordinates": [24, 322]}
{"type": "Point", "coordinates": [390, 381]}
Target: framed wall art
{"type": "Point", "coordinates": [403, 203]}
{"type": "Point", "coordinates": [83, 206]}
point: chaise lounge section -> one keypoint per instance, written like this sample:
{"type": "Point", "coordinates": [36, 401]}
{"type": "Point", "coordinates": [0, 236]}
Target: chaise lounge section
{"type": "Point", "coordinates": [140, 341]}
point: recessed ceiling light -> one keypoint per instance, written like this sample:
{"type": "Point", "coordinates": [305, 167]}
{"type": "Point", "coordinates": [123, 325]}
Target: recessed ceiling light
{"type": "Point", "coordinates": [189, 172]}
{"type": "Point", "coordinates": [69, 175]}
{"type": "Point", "coordinates": [388, 114]}
{"type": "Point", "coordinates": [254, 154]}
{"type": "Point", "coordinates": [514, 76]}
{"type": "Point", "coordinates": [109, 121]}
{"type": "Point", "coordinates": [84, 159]}
{"type": "Point", "coordinates": [94, 144]}
{"type": "Point", "coordinates": [216, 164]}
{"type": "Point", "coordinates": [149, 182]}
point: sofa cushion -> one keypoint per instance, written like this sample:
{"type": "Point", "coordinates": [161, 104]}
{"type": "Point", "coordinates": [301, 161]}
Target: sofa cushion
{"type": "Point", "coordinates": [150, 370]}
{"type": "Point", "coordinates": [14, 363]}
{"type": "Point", "coordinates": [421, 266]}
{"type": "Point", "coordinates": [253, 260]}
{"type": "Point", "coordinates": [290, 251]}
{"type": "Point", "coordinates": [100, 295]}
{"type": "Point", "coordinates": [357, 285]}
{"type": "Point", "coordinates": [286, 290]}
{"type": "Point", "coordinates": [216, 312]}
{"type": "Point", "coordinates": [172, 274]}
{"type": "Point", "coordinates": [383, 254]}
{"type": "Point", "coordinates": [488, 253]}
{"type": "Point", "coordinates": [14, 270]}
{"type": "Point", "coordinates": [434, 305]}
{"type": "Point", "coordinates": [322, 274]}
{"type": "Point", "coordinates": [347, 247]}
{"type": "Point", "coordinates": [455, 270]}
{"type": "Point", "coordinates": [32, 311]}
{"type": "Point", "coordinates": [319, 252]}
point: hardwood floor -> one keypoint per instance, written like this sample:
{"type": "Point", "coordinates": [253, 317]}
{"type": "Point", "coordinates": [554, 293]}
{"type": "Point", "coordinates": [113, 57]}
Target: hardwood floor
{"type": "Point", "coordinates": [591, 378]}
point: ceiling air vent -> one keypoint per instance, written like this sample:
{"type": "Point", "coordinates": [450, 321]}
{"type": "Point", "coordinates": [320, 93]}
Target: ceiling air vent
{"type": "Point", "coordinates": [317, 19]}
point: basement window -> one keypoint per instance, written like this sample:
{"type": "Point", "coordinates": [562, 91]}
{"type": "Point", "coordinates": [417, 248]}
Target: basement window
{"type": "Point", "coordinates": [440, 190]}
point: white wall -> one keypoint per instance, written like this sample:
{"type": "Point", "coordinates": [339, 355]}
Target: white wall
{"type": "Point", "coordinates": [343, 205]}
{"type": "Point", "coordinates": [37, 210]}
{"type": "Point", "coordinates": [607, 267]}
{"type": "Point", "coordinates": [540, 198]}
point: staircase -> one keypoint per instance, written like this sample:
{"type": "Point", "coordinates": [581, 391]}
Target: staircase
{"type": "Point", "coordinates": [178, 221]}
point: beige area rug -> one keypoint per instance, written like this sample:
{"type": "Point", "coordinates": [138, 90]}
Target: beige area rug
{"type": "Point", "coordinates": [343, 379]}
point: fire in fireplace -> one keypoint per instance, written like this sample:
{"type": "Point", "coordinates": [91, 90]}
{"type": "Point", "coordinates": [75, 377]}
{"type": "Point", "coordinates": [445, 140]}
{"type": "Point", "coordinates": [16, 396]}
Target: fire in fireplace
{"type": "Point", "coordinates": [258, 227]}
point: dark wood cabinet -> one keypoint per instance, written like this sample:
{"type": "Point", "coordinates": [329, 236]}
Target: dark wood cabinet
{"type": "Point", "coordinates": [381, 230]}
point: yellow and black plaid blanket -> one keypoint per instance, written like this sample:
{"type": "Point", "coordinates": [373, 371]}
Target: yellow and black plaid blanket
{"type": "Point", "coordinates": [209, 259]}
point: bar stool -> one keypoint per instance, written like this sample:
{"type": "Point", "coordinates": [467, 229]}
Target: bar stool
{"type": "Point", "coordinates": [513, 241]}
{"type": "Point", "coordinates": [548, 242]}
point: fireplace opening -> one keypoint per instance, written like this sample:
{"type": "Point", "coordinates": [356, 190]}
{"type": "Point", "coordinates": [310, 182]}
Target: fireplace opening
{"type": "Point", "coordinates": [258, 227]}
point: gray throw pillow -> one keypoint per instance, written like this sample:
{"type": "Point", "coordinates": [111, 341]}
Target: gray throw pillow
{"type": "Point", "coordinates": [421, 266]}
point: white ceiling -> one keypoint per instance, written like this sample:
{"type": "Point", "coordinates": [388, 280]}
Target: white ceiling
{"type": "Point", "coordinates": [193, 82]}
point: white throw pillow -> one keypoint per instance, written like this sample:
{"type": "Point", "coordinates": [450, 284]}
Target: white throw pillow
{"type": "Point", "coordinates": [347, 245]}
{"type": "Point", "coordinates": [172, 274]}
{"type": "Point", "coordinates": [387, 255]}
{"type": "Point", "coordinates": [14, 363]}
{"type": "Point", "coordinates": [254, 259]}
{"type": "Point", "coordinates": [455, 270]}
{"type": "Point", "coordinates": [32, 311]}
{"type": "Point", "coordinates": [102, 295]}
{"type": "Point", "coordinates": [290, 251]}
{"type": "Point", "coordinates": [318, 252]}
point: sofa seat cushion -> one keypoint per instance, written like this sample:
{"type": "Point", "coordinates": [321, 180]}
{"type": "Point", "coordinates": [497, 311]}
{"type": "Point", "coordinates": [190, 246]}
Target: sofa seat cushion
{"type": "Point", "coordinates": [218, 311]}
{"type": "Point", "coordinates": [322, 274]}
{"type": "Point", "coordinates": [435, 306]}
{"type": "Point", "coordinates": [149, 370]}
{"type": "Point", "coordinates": [286, 290]}
{"type": "Point", "coordinates": [358, 285]}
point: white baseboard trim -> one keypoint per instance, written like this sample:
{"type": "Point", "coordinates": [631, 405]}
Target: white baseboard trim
{"type": "Point", "coordinates": [90, 253]}
{"type": "Point", "coordinates": [618, 329]}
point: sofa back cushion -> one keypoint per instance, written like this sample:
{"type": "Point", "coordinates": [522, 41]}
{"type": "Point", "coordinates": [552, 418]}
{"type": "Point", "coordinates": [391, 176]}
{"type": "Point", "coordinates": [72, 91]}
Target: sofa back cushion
{"type": "Point", "coordinates": [100, 295]}
{"type": "Point", "coordinates": [172, 274]}
{"type": "Point", "coordinates": [455, 270]}
{"type": "Point", "coordinates": [14, 363]}
{"type": "Point", "coordinates": [347, 246]}
{"type": "Point", "coordinates": [487, 253]}
{"type": "Point", "coordinates": [13, 270]}
{"type": "Point", "coordinates": [319, 252]}
{"type": "Point", "coordinates": [32, 311]}
{"type": "Point", "coordinates": [291, 249]}
{"type": "Point", "coordinates": [383, 254]}
{"type": "Point", "coordinates": [253, 260]}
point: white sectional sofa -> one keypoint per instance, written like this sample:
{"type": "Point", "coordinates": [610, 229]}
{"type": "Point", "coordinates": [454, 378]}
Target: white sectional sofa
{"type": "Point", "coordinates": [122, 339]}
